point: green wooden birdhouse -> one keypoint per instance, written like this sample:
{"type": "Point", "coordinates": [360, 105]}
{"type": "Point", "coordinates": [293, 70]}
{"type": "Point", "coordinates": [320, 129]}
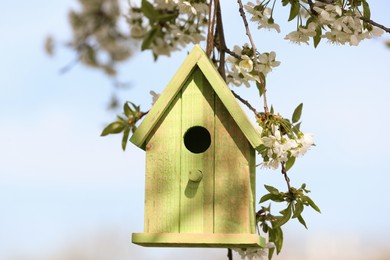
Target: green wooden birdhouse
{"type": "Point", "coordinates": [200, 163]}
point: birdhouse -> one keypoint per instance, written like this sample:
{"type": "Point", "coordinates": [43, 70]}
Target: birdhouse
{"type": "Point", "coordinates": [200, 163]}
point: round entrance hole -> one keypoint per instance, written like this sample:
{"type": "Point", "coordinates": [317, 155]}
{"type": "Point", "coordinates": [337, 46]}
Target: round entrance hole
{"type": "Point", "coordinates": [197, 139]}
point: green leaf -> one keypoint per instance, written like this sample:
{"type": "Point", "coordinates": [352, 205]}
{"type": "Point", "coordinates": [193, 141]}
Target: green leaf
{"type": "Point", "coordinates": [167, 17]}
{"type": "Point", "coordinates": [113, 128]}
{"type": "Point", "coordinates": [265, 227]}
{"type": "Point", "coordinates": [127, 110]}
{"type": "Point", "coordinates": [311, 203]}
{"type": "Point", "coordinates": [296, 128]}
{"type": "Point", "coordinates": [266, 197]}
{"type": "Point", "coordinates": [272, 109]}
{"type": "Point", "coordinates": [297, 113]}
{"type": "Point", "coordinates": [294, 11]}
{"type": "Point", "coordinates": [136, 108]}
{"type": "Point", "coordinates": [366, 10]}
{"type": "Point", "coordinates": [125, 138]}
{"type": "Point", "coordinates": [121, 119]}
{"type": "Point", "coordinates": [298, 209]}
{"type": "Point", "coordinates": [276, 236]}
{"type": "Point", "coordinates": [270, 196]}
{"type": "Point", "coordinates": [284, 218]}
{"type": "Point", "coordinates": [270, 253]}
{"type": "Point", "coordinates": [149, 11]}
{"type": "Point", "coordinates": [262, 148]}
{"type": "Point", "coordinates": [317, 38]}
{"type": "Point", "coordinates": [302, 221]}
{"type": "Point", "coordinates": [290, 162]}
{"type": "Point", "coordinates": [272, 190]}
{"type": "Point", "coordinates": [149, 39]}
{"type": "Point", "coordinates": [259, 86]}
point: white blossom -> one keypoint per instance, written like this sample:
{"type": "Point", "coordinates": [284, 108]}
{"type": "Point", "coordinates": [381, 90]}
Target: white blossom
{"type": "Point", "coordinates": [246, 64]}
{"type": "Point", "coordinates": [137, 31]}
{"type": "Point", "coordinates": [280, 147]}
{"type": "Point", "coordinates": [186, 8]}
{"type": "Point", "coordinates": [155, 96]}
{"type": "Point", "coordinates": [267, 62]}
{"type": "Point", "coordinates": [262, 15]}
{"type": "Point", "coordinates": [254, 253]}
{"type": "Point", "coordinates": [302, 34]}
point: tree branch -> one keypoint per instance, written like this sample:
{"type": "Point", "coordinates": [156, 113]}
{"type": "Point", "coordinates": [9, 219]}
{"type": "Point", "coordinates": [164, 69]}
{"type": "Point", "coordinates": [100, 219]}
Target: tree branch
{"type": "Point", "coordinates": [245, 102]}
{"type": "Point", "coordinates": [220, 34]}
{"type": "Point", "coordinates": [230, 254]}
{"type": "Point", "coordinates": [369, 21]}
{"type": "Point", "coordinates": [284, 172]}
{"type": "Point", "coordinates": [248, 33]}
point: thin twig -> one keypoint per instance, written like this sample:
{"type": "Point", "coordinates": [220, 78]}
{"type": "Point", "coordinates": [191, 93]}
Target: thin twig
{"type": "Point", "coordinates": [245, 102]}
{"type": "Point", "coordinates": [369, 21]}
{"type": "Point", "coordinates": [220, 43]}
{"type": "Point", "coordinates": [284, 172]}
{"type": "Point", "coordinates": [230, 254]}
{"type": "Point", "coordinates": [70, 65]}
{"type": "Point", "coordinates": [248, 33]}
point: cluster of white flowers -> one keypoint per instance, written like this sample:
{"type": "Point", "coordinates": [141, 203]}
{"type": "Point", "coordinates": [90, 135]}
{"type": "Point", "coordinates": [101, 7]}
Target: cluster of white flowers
{"type": "Point", "coordinates": [343, 26]}
{"type": "Point", "coordinates": [303, 34]}
{"type": "Point", "coordinates": [279, 147]}
{"type": "Point", "coordinates": [254, 253]}
{"type": "Point", "coordinates": [262, 15]}
{"type": "Point", "coordinates": [181, 23]}
{"type": "Point", "coordinates": [242, 69]}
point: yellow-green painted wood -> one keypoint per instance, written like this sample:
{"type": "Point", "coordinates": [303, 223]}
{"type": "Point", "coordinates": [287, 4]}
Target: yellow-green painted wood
{"type": "Point", "coordinates": [163, 173]}
{"type": "Point", "coordinates": [216, 207]}
{"type": "Point", "coordinates": [229, 101]}
{"type": "Point", "coordinates": [198, 240]}
{"type": "Point", "coordinates": [233, 156]}
{"type": "Point", "coordinates": [196, 201]}
{"type": "Point", "coordinates": [196, 58]}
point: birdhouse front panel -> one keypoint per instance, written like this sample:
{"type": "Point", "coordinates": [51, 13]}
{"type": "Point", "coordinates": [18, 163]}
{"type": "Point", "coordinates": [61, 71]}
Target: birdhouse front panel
{"type": "Point", "coordinates": [234, 176]}
{"type": "Point", "coordinates": [200, 163]}
{"type": "Point", "coordinates": [199, 177]}
{"type": "Point", "coordinates": [162, 187]}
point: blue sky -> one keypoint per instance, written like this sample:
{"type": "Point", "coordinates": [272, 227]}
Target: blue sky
{"type": "Point", "coordinates": [64, 188]}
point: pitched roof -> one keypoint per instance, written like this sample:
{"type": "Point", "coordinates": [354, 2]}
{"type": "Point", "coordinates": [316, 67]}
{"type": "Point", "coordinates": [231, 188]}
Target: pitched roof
{"type": "Point", "coordinates": [196, 57]}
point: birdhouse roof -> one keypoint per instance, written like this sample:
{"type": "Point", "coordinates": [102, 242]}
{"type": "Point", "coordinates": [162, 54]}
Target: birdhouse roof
{"type": "Point", "coordinates": [196, 57]}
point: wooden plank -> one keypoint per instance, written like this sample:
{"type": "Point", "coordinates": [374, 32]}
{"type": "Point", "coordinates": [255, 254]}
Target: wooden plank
{"type": "Point", "coordinates": [233, 198]}
{"type": "Point", "coordinates": [197, 57]}
{"type": "Point", "coordinates": [198, 240]}
{"type": "Point", "coordinates": [196, 202]}
{"type": "Point", "coordinates": [163, 173]}
{"type": "Point", "coordinates": [230, 102]}
{"type": "Point", "coordinates": [252, 191]}
{"type": "Point", "coordinates": [167, 96]}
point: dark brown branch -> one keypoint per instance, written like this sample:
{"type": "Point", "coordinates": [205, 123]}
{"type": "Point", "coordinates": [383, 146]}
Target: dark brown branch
{"type": "Point", "coordinates": [245, 102]}
{"type": "Point", "coordinates": [230, 254]}
{"type": "Point", "coordinates": [284, 172]}
{"type": "Point", "coordinates": [221, 36]}
{"type": "Point", "coordinates": [369, 21]}
{"type": "Point", "coordinates": [210, 29]}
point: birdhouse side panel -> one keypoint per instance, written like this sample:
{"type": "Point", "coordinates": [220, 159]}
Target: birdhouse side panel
{"type": "Point", "coordinates": [163, 173]}
{"type": "Point", "coordinates": [196, 202]}
{"type": "Point", "coordinates": [234, 176]}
